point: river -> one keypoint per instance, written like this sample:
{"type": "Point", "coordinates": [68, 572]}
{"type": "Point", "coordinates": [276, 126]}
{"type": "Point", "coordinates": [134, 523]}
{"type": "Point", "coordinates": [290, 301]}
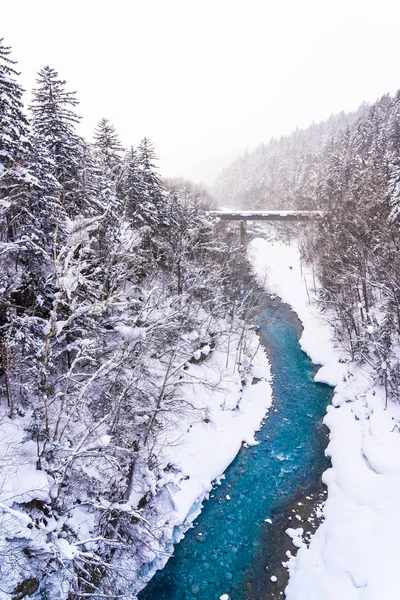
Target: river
{"type": "Point", "coordinates": [232, 549]}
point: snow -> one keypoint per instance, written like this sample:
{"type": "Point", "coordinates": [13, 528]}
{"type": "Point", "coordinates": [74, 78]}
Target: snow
{"type": "Point", "coordinates": [206, 350]}
{"type": "Point", "coordinates": [66, 550]}
{"type": "Point", "coordinates": [201, 449]}
{"type": "Point", "coordinates": [296, 536]}
{"type": "Point", "coordinates": [103, 441]}
{"type": "Point", "coordinates": [20, 482]}
{"type": "Point", "coordinates": [130, 334]}
{"type": "Point", "coordinates": [82, 522]}
{"type": "Point", "coordinates": [207, 449]}
{"type": "Point", "coordinates": [26, 485]}
{"type": "Point", "coordinates": [277, 267]}
{"type": "Point", "coordinates": [354, 553]}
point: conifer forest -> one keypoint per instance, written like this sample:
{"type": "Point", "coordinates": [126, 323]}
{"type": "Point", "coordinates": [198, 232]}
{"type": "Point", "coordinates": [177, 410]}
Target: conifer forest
{"type": "Point", "coordinates": [124, 326]}
{"type": "Point", "coordinates": [106, 273]}
{"type": "Point", "coordinates": [348, 166]}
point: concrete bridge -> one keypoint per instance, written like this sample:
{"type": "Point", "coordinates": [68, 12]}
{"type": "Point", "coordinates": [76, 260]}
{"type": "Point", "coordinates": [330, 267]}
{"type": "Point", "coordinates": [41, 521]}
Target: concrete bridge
{"type": "Point", "coordinates": [264, 215]}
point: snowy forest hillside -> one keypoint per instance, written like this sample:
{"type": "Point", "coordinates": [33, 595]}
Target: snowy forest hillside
{"type": "Point", "coordinates": [282, 173]}
{"type": "Point", "coordinates": [348, 166]}
{"type": "Point", "coordinates": [115, 288]}
{"type": "Point", "coordinates": [127, 353]}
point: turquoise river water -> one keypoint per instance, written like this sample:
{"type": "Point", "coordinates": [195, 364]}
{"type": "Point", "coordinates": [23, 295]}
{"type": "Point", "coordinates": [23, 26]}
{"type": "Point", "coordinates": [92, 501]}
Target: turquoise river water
{"type": "Point", "coordinates": [231, 548]}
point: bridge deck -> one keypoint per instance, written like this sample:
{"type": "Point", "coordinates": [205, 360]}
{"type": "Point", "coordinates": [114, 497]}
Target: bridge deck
{"type": "Point", "coordinates": [267, 215]}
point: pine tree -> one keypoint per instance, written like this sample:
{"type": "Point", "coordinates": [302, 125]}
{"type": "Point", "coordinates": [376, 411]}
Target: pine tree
{"type": "Point", "coordinates": [108, 169]}
{"type": "Point", "coordinates": [133, 184]}
{"type": "Point", "coordinates": [394, 161]}
{"type": "Point", "coordinates": [14, 144]}
{"type": "Point", "coordinates": [107, 142]}
{"type": "Point", "coordinates": [147, 158]}
{"type": "Point", "coordinates": [53, 123]}
{"type": "Point", "coordinates": [15, 148]}
{"type": "Point", "coordinates": [150, 209]}
{"type": "Point", "coordinates": [21, 257]}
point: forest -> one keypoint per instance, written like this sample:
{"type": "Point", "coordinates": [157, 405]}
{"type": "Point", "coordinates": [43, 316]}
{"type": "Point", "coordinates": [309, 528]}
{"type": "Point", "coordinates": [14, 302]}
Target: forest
{"type": "Point", "coordinates": [349, 167]}
{"type": "Point", "coordinates": [113, 283]}
{"type": "Point", "coordinates": [116, 285]}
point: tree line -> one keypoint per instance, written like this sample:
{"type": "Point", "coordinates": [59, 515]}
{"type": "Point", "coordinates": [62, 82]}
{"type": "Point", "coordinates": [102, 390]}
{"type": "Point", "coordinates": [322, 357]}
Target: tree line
{"type": "Point", "coordinates": [111, 279]}
{"type": "Point", "coordinates": [349, 167]}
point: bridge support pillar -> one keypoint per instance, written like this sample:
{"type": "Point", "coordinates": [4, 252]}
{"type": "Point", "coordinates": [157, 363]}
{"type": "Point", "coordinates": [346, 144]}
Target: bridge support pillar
{"type": "Point", "coordinates": [243, 233]}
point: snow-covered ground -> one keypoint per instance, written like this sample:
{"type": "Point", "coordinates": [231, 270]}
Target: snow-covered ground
{"type": "Point", "coordinates": [226, 406]}
{"type": "Point", "coordinates": [354, 554]}
{"type": "Point", "coordinates": [233, 416]}
{"type": "Point", "coordinates": [201, 449]}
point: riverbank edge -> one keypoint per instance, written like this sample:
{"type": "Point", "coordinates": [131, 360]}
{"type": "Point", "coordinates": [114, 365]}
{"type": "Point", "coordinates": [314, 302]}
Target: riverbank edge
{"type": "Point", "coordinates": [342, 557]}
{"type": "Point", "coordinates": [249, 404]}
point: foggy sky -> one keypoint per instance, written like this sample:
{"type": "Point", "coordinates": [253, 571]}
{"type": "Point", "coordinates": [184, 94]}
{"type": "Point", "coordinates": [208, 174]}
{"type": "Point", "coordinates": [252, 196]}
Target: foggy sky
{"type": "Point", "coordinates": [205, 79]}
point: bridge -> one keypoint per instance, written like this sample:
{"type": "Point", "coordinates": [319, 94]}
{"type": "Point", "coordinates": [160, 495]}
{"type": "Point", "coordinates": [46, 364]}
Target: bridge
{"type": "Point", "coordinates": [264, 215]}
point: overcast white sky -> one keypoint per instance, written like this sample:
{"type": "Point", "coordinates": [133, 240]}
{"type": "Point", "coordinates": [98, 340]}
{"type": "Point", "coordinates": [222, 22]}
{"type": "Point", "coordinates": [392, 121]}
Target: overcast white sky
{"type": "Point", "coordinates": [204, 79]}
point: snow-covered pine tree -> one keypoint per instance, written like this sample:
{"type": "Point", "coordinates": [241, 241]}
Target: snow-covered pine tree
{"type": "Point", "coordinates": [53, 124]}
{"type": "Point", "coordinates": [133, 185]}
{"type": "Point", "coordinates": [14, 146]}
{"type": "Point", "coordinates": [13, 123]}
{"type": "Point", "coordinates": [108, 169]}
{"type": "Point", "coordinates": [18, 252]}
{"type": "Point", "coordinates": [107, 142]}
{"type": "Point", "coordinates": [86, 193]}
{"type": "Point", "coordinates": [394, 161]}
{"type": "Point", "coordinates": [105, 172]}
{"type": "Point", "coordinates": [150, 208]}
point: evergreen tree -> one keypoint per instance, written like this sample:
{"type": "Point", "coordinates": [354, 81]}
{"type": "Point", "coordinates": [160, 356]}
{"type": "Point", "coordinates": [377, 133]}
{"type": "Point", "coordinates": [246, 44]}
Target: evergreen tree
{"type": "Point", "coordinates": [53, 123]}
{"type": "Point", "coordinates": [97, 324]}
{"type": "Point", "coordinates": [22, 258]}
{"type": "Point", "coordinates": [14, 143]}
{"type": "Point", "coordinates": [107, 142]}
{"type": "Point", "coordinates": [15, 148]}
{"type": "Point", "coordinates": [394, 161]}
{"type": "Point", "coordinates": [108, 169]}
{"type": "Point", "coordinates": [133, 185]}
{"type": "Point", "coordinates": [150, 210]}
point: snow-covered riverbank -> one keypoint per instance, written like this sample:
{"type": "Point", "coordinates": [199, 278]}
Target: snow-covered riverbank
{"type": "Point", "coordinates": [233, 403]}
{"type": "Point", "coordinates": [354, 552]}
{"type": "Point", "coordinates": [227, 395]}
